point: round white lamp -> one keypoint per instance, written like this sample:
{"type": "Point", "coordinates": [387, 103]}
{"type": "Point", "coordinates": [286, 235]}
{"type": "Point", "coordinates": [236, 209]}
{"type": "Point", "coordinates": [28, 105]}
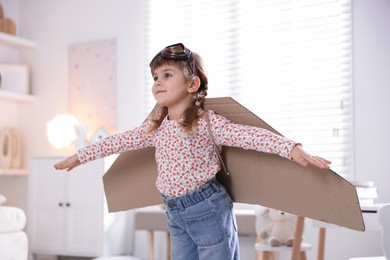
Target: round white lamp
{"type": "Point", "coordinates": [61, 131]}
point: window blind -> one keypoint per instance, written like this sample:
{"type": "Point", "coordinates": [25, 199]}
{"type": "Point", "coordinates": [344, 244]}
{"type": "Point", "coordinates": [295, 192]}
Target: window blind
{"type": "Point", "coordinates": [288, 61]}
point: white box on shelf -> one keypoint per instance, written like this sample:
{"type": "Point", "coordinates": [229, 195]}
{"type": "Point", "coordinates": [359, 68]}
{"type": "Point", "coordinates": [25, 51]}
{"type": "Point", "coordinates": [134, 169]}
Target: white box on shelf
{"type": "Point", "coordinates": [14, 78]}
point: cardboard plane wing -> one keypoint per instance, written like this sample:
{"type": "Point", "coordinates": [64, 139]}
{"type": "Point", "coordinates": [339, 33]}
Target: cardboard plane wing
{"type": "Point", "coordinates": [255, 178]}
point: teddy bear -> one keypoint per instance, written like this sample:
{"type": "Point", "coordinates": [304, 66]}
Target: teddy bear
{"type": "Point", "coordinates": [279, 228]}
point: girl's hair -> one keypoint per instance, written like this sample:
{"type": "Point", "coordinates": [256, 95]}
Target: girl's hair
{"type": "Point", "coordinates": [190, 69]}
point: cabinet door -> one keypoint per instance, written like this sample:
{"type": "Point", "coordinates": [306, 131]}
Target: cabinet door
{"type": "Point", "coordinates": [66, 208]}
{"type": "Point", "coordinates": [84, 209]}
{"type": "Point", "coordinates": [46, 209]}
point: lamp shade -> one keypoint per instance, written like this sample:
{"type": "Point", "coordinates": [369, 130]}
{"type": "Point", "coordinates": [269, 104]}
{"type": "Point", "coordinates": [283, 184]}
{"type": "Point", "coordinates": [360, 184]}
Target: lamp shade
{"type": "Point", "coordinates": [61, 130]}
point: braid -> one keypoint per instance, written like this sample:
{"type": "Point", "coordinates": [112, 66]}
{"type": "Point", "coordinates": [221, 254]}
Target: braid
{"type": "Point", "coordinates": [193, 113]}
{"type": "Point", "coordinates": [200, 97]}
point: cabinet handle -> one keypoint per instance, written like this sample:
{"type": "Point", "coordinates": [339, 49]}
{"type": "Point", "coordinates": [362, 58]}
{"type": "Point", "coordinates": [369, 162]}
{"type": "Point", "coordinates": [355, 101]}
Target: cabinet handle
{"type": "Point", "coordinates": [60, 204]}
{"type": "Point", "coordinates": [68, 204]}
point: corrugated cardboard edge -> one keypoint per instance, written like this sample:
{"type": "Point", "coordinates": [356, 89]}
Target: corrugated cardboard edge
{"type": "Point", "coordinates": [255, 178]}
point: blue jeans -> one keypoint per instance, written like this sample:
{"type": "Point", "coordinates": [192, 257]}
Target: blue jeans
{"type": "Point", "coordinates": [202, 224]}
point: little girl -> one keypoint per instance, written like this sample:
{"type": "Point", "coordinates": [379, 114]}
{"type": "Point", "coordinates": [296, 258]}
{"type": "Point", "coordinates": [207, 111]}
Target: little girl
{"type": "Point", "coordinates": [199, 210]}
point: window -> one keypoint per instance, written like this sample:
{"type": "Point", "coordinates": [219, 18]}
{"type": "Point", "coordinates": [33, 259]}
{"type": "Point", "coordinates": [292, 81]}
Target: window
{"type": "Point", "coordinates": [288, 61]}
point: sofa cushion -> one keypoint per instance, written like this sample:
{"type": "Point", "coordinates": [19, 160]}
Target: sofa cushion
{"type": "Point", "coordinates": [13, 245]}
{"type": "Point", "coordinates": [11, 219]}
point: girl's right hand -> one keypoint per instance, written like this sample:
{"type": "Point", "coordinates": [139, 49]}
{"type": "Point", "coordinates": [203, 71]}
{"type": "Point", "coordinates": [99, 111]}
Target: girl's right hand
{"type": "Point", "coordinates": [68, 164]}
{"type": "Point", "coordinates": [304, 158]}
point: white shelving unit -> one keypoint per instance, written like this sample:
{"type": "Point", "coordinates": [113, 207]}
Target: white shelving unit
{"type": "Point", "coordinates": [15, 41]}
{"type": "Point", "coordinates": [14, 96]}
{"type": "Point", "coordinates": [19, 44]}
{"type": "Point", "coordinates": [13, 172]}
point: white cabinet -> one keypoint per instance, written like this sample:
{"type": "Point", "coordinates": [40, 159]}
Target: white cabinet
{"type": "Point", "coordinates": [66, 209]}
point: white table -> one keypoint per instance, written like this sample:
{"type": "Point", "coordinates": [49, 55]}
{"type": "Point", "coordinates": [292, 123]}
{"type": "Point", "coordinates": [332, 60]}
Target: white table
{"type": "Point", "coordinates": [376, 218]}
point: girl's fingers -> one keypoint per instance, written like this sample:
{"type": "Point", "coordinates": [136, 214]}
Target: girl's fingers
{"type": "Point", "coordinates": [68, 164]}
{"type": "Point", "coordinates": [319, 162]}
{"type": "Point", "coordinates": [58, 166]}
{"type": "Point", "coordinates": [62, 165]}
{"type": "Point", "coordinates": [323, 159]}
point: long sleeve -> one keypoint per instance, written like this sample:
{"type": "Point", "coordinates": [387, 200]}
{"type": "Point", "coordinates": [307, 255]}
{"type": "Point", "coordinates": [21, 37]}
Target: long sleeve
{"type": "Point", "coordinates": [227, 133]}
{"type": "Point", "coordinates": [137, 138]}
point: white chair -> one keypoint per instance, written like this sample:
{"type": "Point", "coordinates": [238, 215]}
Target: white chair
{"type": "Point", "coordinates": [267, 252]}
{"type": "Point", "coordinates": [384, 217]}
{"type": "Point", "coordinates": [148, 219]}
{"type": "Point", "coordinates": [152, 219]}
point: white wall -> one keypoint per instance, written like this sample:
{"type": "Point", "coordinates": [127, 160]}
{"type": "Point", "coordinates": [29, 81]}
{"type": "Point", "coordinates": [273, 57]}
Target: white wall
{"type": "Point", "coordinates": [372, 92]}
{"type": "Point", "coordinates": [56, 24]}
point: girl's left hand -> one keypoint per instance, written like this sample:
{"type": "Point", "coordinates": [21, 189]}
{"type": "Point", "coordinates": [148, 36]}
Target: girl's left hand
{"type": "Point", "coordinates": [303, 158]}
{"type": "Point", "coordinates": [68, 164]}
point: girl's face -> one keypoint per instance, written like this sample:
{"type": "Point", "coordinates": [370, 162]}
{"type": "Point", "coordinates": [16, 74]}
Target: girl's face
{"type": "Point", "coordinates": [171, 88]}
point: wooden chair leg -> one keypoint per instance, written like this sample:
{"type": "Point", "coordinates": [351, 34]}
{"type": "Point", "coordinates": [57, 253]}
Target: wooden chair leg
{"type": "Point", "coordinates": [150, 245]}
{"type": "Point", "coordinates": [258, 255]}
{"type": "Point", "coordinates": [298, 238]}
{"type": "Point", "coordinates": [321, 243]}
{"type": "Point", "coordinates": [168, 246]}
{"type": "Point", "coordinates": [266, 255]}
{"type": "Point", "coordinates": [303, 256]}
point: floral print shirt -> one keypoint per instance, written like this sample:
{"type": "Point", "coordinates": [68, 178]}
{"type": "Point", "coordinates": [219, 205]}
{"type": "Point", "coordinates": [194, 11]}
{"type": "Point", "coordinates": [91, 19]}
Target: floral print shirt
{"type": "Point", "coordinates": [187, 161]}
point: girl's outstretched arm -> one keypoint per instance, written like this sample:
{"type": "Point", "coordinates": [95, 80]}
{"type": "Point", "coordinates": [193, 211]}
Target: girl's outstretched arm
{"type": "Point", "coordinates": [68, 164]}
{"type": "Point", "coordinates": [304, 158]}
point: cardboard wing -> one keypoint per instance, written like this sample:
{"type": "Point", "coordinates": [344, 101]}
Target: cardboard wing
{"type": "Point", "coordinates": [255, 178]}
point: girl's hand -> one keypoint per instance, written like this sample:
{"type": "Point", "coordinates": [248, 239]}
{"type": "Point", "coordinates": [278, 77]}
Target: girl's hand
{"type": "Point", "coordinates": [303, 158]}
{"type": "Point", "coordinates": [68, 164]}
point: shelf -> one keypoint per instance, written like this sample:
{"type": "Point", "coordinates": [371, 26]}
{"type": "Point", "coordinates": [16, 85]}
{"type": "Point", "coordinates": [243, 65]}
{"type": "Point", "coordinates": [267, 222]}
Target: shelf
{"type": "Point", "coordinates": [14, 96]}
{"type": "Point", "coordinates": [13, 172]}
{"type": "Point", "coordinates": [15, 41]}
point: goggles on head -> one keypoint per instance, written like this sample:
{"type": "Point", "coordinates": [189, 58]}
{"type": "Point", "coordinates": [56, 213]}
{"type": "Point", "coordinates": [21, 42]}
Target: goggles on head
{"type": "Point", "coordinates": [177, 52]}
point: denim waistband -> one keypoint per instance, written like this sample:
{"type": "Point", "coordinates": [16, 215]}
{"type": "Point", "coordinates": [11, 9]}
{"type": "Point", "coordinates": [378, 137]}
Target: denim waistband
{"type": "Point", "coordinates": [204, 192]}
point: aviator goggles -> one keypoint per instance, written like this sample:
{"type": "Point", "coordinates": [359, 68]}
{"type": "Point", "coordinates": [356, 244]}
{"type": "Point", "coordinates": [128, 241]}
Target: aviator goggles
{"type": "Point", "coordinates": [177, 52]}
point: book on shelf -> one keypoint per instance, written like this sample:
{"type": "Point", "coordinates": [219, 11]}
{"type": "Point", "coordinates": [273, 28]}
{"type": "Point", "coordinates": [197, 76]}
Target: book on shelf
{"type": "Point", "coordinates": [366, 190]}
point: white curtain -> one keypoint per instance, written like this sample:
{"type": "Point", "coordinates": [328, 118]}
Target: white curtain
{"type": "Point", "coordinates": [288, 61]}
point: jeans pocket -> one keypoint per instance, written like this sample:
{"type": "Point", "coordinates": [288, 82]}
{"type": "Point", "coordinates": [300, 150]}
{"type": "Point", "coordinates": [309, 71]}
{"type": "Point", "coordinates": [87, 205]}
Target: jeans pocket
{"type": "Point", "coordinates": [206, 230]}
